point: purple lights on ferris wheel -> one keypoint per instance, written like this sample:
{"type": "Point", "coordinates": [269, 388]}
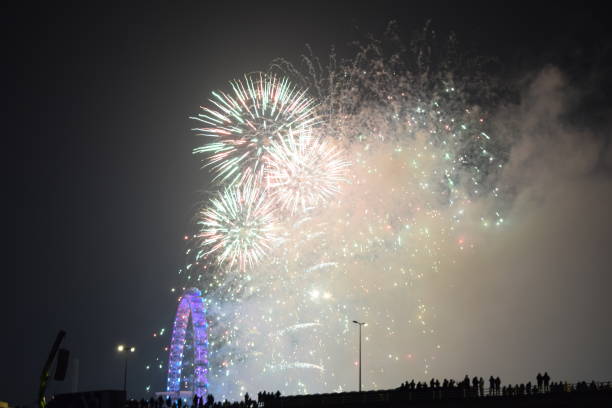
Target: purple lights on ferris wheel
{"type": "Point", "coordinates": [190, 303]}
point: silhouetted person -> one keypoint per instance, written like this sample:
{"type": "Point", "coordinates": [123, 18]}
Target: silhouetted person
{"type": "Point", "coordinates": [528, 388]}
{"type": "Point", "coordinates": [491, 385]}
{"type": "Point", "coordinates": [481, 386]}
{"type": "Point", "coordinates": [539, 379]}
{"type": "Point", "coordinates": [497, 385]}
{"type": "Point", "coordinates": [546, 381]}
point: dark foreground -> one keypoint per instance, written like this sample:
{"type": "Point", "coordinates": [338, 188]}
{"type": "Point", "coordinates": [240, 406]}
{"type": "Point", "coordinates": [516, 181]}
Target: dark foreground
{"type": "Point", "coordinates": [561, 396]}
{"type": "Point", "coordinates": [395, 398]}
{"type": "Point", "coordinates": [390, 400]}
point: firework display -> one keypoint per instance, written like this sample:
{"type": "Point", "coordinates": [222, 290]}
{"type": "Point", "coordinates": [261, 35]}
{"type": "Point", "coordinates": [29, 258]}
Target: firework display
{"type": "Point", "coordinates": [303, 171]}
{"type": "Point", "coordinates": [243, 123]}
{"type": "Point", "coordinates": [335, 209]}
{"type": "Point", "coordinates": [238, 226]}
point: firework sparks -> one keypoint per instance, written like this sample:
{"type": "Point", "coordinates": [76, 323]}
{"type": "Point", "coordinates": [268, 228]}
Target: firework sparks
{"type": "Point", "coordinates": [238, 226]}
{"type": "Point", "coordinates": [420, 158]}
{"type": "Point", "coordinates": [304, 171]}
{"type": "Point", "coordinates": [259, 110]}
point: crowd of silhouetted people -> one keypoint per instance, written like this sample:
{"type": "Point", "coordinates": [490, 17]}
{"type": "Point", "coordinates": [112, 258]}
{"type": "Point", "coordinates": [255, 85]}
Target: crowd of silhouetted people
{"type": "Point", "coordinates": [476, 387]}
{"type": "Point", "coordinates": [267, 396]}
{"type": "Point", "coordinates": [434, 389]}
{"type": "Point", "coordinates": [199, 402]}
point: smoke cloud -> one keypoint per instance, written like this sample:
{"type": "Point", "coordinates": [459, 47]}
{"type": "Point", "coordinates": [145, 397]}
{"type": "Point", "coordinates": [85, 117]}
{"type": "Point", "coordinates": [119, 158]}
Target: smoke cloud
{"type": "Point", "coordinates": [535, 296]}
{"type": "Point", "coordinates": [449, 281]}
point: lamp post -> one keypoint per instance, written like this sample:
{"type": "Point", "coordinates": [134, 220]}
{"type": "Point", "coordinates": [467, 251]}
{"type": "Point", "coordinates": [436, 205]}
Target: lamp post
{"type": "Point", "coordinates": [125, 349]}
{"type": "Point", "coordinates": [360, 324]}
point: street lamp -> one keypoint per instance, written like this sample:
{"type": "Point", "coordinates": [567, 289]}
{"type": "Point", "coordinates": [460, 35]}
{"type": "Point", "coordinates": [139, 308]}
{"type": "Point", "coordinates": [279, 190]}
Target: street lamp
{"type": "Point", "coordinates": [125, 349]}
{"type": "Point", "coordinates": [360, 324]}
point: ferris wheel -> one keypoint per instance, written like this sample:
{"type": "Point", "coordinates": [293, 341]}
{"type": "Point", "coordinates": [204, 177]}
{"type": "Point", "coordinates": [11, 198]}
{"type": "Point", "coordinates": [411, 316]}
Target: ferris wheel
{"type": "Point", "coordinates": [190, 303]}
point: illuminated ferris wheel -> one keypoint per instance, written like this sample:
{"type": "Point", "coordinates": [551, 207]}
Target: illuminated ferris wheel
{"type": "Point", "coordinates": [190, 303]}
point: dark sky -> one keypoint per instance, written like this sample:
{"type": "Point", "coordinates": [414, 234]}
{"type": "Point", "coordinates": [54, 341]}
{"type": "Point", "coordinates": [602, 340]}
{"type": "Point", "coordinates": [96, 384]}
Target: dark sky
{"type": "Point", "coordinates": [102, 183]}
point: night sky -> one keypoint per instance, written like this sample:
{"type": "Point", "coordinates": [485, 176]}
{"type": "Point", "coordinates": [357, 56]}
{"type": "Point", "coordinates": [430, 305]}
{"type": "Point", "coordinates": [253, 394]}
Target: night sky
{"type": "Point", "coordinates": [103, 185]}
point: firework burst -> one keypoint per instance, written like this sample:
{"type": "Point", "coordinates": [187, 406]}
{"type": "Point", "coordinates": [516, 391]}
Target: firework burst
{"type": "Point", "coordinates": [244, 122]}
{"type": "Point", "coordinates": [237, 226]}
{"type": "Point", "coordinates": [304, 171]}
